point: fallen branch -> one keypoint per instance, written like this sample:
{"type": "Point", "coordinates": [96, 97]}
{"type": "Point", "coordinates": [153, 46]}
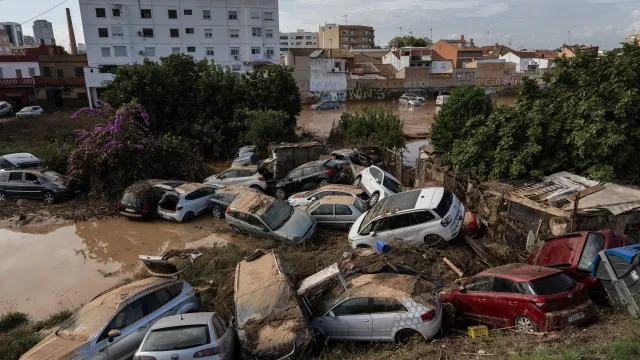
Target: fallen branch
{"type": "Point", "coordinates": [453, 267]}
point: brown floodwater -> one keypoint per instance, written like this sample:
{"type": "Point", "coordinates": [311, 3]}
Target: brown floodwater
{"type": "Point", "coordinates": [49, 268]}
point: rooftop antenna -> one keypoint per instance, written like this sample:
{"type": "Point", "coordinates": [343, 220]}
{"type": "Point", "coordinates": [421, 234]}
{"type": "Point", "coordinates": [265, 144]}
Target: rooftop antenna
{"type": "Point", "coordinates": [488, 33]}
{"type": "Point", "coordinates": [345, 19]}
{"type": "Point", "coordinates": [400, 31]}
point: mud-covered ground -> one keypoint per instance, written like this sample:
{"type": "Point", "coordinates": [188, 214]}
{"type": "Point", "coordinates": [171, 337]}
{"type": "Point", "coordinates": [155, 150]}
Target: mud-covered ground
{"type": "Point", "coordinates": [23, 212]}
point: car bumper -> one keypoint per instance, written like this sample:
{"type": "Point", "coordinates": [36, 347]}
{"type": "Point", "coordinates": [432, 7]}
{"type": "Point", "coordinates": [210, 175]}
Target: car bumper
{"type": "Point", "coordinates": [171, 216]}
{"type": "Point", "coordinates": [61, 194]}
{"type": "Point", "coordinates": [557, 320]}
{"type": "Point", "coordinates": [131, 215]}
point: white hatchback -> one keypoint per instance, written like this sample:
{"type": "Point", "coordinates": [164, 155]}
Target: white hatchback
{"type": "Point", "coordinates": [424, 216]}
{"type": "Point", "coordinates": [184, 202]}
{"type": "Point", "coordinates": [378, 184]}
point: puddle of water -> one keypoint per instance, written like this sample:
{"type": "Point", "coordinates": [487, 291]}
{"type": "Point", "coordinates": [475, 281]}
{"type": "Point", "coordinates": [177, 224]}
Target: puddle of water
{"type": "Point", "coordinates": [412, 151]}
{"type": "Point", "coordinates": [44, 269]}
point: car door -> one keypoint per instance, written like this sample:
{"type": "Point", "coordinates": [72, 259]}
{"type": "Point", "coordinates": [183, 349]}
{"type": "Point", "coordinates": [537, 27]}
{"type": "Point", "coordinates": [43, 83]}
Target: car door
{"type": "Point", "coordinates": [426, 224]}
{"type": "Point", "coordinates": [387, 313]}
{"type": "Point", "coordinates": [343, 216]}
{"type": "Point", "coordinates": [132, 324]}
{"type": "Point", "coordinates": [225, 337]}
{"type": "Point", "coordinates": [203, 202]}
{"type": "Point", "coordinates": [324, 215]}
{"type": "Point", "coordinates": [32, 186]}
{"type": "Point", "coordinates": [293, 182]}
{"type": "Point", "coordinates": [506, 302]}
{"type": "Point", "coordinates": [310, 178]}
{"type": "Point", "coordinates": [403, 227]}
{"type": "Point", "coordinates": [15, 185]}
{"type": "Point", "coordinates": [227, 177]}
{"type": "Point", "coordinates": [350, 320]}
{"type": "Point", "coordinates": [471, 303]}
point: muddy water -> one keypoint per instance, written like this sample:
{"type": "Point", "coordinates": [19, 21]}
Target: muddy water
{"type": "Point", "coordinates": [45, 269]}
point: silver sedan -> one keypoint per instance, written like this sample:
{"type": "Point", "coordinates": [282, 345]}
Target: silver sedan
{"type": "Point", "coordinates": [336, 211]}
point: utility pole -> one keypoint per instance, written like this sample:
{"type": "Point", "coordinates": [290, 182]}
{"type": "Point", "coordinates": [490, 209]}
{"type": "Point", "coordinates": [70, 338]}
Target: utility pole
{"type": "Point", "coordinates": [569, 38]}
{"type": "Point", "coordinates": [400, 31]}
{"type": "Point", "coordinates": [488, 33]}
{"type": "Point", "coordinates": [431, 47]}
{"type": "Point", "coordinates": [345, 19]}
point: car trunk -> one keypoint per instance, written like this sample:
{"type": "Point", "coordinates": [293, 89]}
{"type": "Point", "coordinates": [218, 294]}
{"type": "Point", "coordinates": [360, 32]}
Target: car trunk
{"type": "Point", "coordinates": [169, 202]}
{"type": "Point", "coordinates": [558, 291]}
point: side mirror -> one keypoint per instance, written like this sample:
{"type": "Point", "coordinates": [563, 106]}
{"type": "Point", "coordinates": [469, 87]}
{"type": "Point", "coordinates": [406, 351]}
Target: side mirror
{"type": "Point", "coordinates": [314, 198]}
{"type": "Point", "coordinates": [37, 182]}
{"type": "Point", "coordinates": [113, 333]}
{"type": "Point", "coordinates": [461, 289]}
{"type": "Point", "coordinates": [372, 234]}
{"type": "Point", "coordinates": [331, 314]}
{"type": "Point", "coordinates": [221, 177]}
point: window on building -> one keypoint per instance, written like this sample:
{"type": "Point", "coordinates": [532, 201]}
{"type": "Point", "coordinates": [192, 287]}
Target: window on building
{"type": "Point", "coordinates": [147, 32]}
{"type": "Point", "coordinates": [191, 49]}
{"type": "Point", "coordinates": [103, 32]}
{"type": "Point", "coordinates": [115, 12]}
{"type": "Point", "coordinates": [32, 72]}
{"type": "Point", "coordinates": [78, 72]}
{"type": "Point", "coordinates": [233, 15]}
{"type": "Point", "coordinates": [234, 33]}
{"type": "Point", "coordinates": [60, 73]}
{"type": "Point", "coordinates": [345, 39]}
{"type": "Point", "coordinates": [145, 13]}
{"type": "Point", "coordinates": [189, 30]}
{"type": "Point", "coordinates": [256, 31]}
{"type": "Point", "coordinates": [270, 53]}
{"type": "Point", "coordinates": [308, 42]}
{"type": "Point", "coordinates": [236, 67]}
{"type": "Point", "coordinates": [120, 51]}
{"type": "Point", "coordinates": [208, 33]}
{"type": "Point", "coordinates": [268, 15]}
{"type": "Point", "coordinates": [255, 51]}
{"type": "Point", "coordinates": [173, 14]}
{"type": "Point", "coordinates": [1, 74]}
{"type": "Point", "coordinates": [255, 14]}
{"type": "Point", "coordinates": [46, 71]}
{"type": "Point", "coordinates": [106, 52]}
{"type": "Point", "coordinates": [298, 43]}
{"type": "Point", "coordinates": [175, 50]}
{"type": "Point", "coordinates": [19, 73]}
{"type": "Point", "coordinates": [298, 37]}
{"type": "Point", "coordinates": [101, 13]}
{"type": "Point", "coordinates": [307, 37]}
{"type": "Point", "coordinates": [235, 51]}
{"type": "Point", "coordinates": [174, 33]}
{"type": "Point", "coordinates": [116, 31]}
{"type": "Point", "coordinates": [150, 51]}
{"type": "Point", "coordinates": [210, 51]}
{"type": "Point", "coordinates": [268, 33]}
{"type": "Point", "coordinates": [206, 14]}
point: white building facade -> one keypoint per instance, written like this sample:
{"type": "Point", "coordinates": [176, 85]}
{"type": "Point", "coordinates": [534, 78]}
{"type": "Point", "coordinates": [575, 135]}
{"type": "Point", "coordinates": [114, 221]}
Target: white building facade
{"type": "Point", "coordinates": [19, 69]}
{"type": "Point", "coordinates": [300, 39]}
{"type": "Point", "coordinates": [43, 32]}
{"type": "Point", "coordinates": [14, 32]}
{"type": "Point", "coordinates": [239, 34]}
{"type": "Point", "coordinates": [527, 61]}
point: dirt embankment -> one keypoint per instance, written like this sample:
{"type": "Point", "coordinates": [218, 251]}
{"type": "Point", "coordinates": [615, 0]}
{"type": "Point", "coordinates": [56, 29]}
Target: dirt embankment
{"type": "Point", "coordinates": [24, 212]}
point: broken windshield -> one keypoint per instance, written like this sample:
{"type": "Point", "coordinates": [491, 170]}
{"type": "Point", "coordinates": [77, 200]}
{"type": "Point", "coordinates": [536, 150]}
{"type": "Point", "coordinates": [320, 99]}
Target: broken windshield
{"type": "Point", "coordinates": [277, 215]}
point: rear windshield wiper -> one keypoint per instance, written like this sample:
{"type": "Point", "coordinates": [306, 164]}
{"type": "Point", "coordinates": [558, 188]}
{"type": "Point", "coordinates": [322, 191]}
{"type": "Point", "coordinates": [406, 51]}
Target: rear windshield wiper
{"type": "Point", "coordinates": [558, 265]}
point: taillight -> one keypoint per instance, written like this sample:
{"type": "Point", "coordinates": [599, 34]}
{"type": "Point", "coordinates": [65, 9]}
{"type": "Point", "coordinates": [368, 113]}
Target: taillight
{"type": "Point", "coordinates": [446, 221]}
{"type": "Point", "coordinates": [228, 211]}
{"type": "Point", "coordinates": [260, 178]}
{"type": "Point", "coordinates": [143, 357]}
{"type": "Point", "coordinates": [118, 205]}
{"type": "Point", "coordinates": [179, 208]}
{"type": "Point", "coordinates": [429, 315]}
{"type": "Point", "coordinates": [537, 301]}
{"type": "Point", "coordinates": [145, 208]}
{"type": "Point", "coordinates": [207, 352]}
{"type": "Point", "coordinates": [329, 171]}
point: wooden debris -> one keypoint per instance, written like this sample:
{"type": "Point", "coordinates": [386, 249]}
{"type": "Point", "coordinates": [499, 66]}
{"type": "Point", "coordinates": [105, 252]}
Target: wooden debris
{"type": "Point", "coordinates": [453, 267]}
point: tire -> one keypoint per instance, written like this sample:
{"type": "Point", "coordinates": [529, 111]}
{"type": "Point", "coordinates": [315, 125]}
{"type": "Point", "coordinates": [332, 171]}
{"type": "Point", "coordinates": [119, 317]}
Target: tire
{"type": "Point", "coordinates": [3, 196]}
{"type": "Point", "coordinates": [434, 240]}
{"type": "Point", "coordinates": [405, 335]}
{"type": "Point", "coordinates": [358, 180]}
{"type": "Point", "coordinates": [363, 246]}
{"type": "Point", "coordinates": [48, 197]}
{"type": "Point", "coordinates": [281, 194]}
{"type": "Point", "coordinates": [524, 323]}
{"type": "Point", "coordinates": [374, 199]}
{"type": "Point", "coordinates": [216, 212]}
{"type": "Point", "coordinates": [324, 182]}
{"type": "Point", "coordinates": [188, 217]}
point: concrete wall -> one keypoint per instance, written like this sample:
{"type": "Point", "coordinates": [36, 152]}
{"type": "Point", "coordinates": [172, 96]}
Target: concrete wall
{"type": "Point", "coordinates": [441, 66]}
{"type": "Point", "coordinates": [324, 79]}
{"type": "Point", "coordinates": [8, 69]}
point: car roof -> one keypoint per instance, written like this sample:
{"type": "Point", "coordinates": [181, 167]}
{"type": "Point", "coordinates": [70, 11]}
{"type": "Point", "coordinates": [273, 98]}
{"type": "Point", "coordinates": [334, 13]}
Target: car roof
{"type": "Point", "coordinates": [312, 163]}
{"type": "Point", "coordinates": [257, 274]}
{"type": "Point", "coordinates": [115, 296]}
{"type": "Point", "coordinates": [20, 157]}
{"type": "Point", "coordinates": [189, 187]}
{"type": "Point", "coordinates": [388, 285]}
{"type": "Point", "coordinates": [234, 189]}
{"type": "Point", "coordinates": [429, 198]}
{"type": "Point", "coordinates": [337, 199]}
{"type": "Point", "coordinates": [521, 272]}
{"type": "Point", "coordinates": [200, 318]}
{"type": "Point", "coordinates": [338, 187]}
{"type": "Point", "coordinates": [246, 167]}
{"type": "Point", "coordinates": [253, 202]}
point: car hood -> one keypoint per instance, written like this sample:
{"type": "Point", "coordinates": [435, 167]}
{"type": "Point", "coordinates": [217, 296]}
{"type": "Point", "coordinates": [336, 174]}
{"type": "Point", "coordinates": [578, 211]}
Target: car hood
{"type": "Point", "coordinates": [299, 195]}
{"type": "Point", "coordinates": [270, 338]}
{"type": "Point", "coordinates": [213, 179]}
{"type": "Point", "coordinates": [55, 347]}
{"type": "Point", "coordinates": [297, 226]}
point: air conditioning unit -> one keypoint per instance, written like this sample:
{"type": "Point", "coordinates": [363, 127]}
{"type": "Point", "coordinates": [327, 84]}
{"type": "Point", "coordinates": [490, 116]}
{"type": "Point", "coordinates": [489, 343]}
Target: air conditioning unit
{"type": "Point", "coordinates": [247, 62]}
{"type": "Point", "coordinates": [267, 56]}
{"type": "Point", "coordinates": [140, 33]}
{"type": "Point", "coordinates": [236, 57]}
{"type": "Point", "coordinates": [141, 52]}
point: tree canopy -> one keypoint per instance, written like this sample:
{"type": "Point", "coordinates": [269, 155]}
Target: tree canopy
{"type": "Point", "coordinates": [406, 41]}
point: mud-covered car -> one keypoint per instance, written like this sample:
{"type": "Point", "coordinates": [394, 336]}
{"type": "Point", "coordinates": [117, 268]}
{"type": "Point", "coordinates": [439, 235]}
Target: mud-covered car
{"type": "Point", "coordinates": [19, 161]}
{"type": "Point", "coordinates": [305, 198]}
{"type": "Point", "coordinates": [48, 186]}
{"type": "Point", "coordinates": [140, 200]}
{"type": "Point", "coordinates": [184, 202]}
{"type": "Point", "coordinates": [360, 158]}
{"type": "Point", "coordinates": [223, 197]}
{"type": "Point", "coordinates": [270, 318]}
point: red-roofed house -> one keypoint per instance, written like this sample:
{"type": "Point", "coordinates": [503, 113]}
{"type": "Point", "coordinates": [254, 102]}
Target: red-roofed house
{"type": "Point", "coordinates": [460, 52]}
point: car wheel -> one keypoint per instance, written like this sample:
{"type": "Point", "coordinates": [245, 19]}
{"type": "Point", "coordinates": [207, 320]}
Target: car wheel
{"type": "Point", "coordinates": [3, 196]}
{"type": "Point", "coordinates": [48, 198]}
{"type": "Point", "coordinates": [188, 216]}
{"type": "Point", "coordinates": [374, 199]}
{"type": "Point", "coordinates": [363, 246]}
{"type": "Point", "coordinates": [281, 194]}
{"type": "Point", "coordinates": [323, 183]}
{"type": "Point", "coordinates": [433, 240]}
{"type": "Point", "coordinates": [523, 323]}
{"type": "Point", "coordinates": [358, 181]}
{"type": "Point", "coordinates": [448, 315]}
{"type": "Point", "coordinates": [405, 335]}
{"type": "Point", "coordinates": [216, 212]}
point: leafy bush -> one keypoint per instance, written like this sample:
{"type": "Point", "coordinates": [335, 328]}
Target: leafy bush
{"type": "Point", "coordinates": [16, 342]}
{"type": "Point", "coordinates": [54, 319]}
{"type": "Point", "coordinates": [12, 320]}
{"type": "Point", "coordinates": [373, 126]}
{"type": "Point", "coordinates": [123, 150]}
{"type": "Point", "coordinates": [266, 126]}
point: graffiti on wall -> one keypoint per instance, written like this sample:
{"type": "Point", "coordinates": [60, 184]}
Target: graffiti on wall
{"type": "Point", "coordinates": [489, 82]}
{"type": "Point", "coordinates": [462, 76]}
{"type": "Point", "coordinates": [325, 95]}
{"type": "Point", "coordinates": [511, 80]}
{"type": "Point", "coordinates": [366, 94]}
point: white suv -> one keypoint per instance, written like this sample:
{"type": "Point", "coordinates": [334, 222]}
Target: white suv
{"type": "Point", "coordinates": [424, 216]}
{"type": "Point", "coordinates": [378, 184]}
{"type": "Point", "coordinates": [239, 176]}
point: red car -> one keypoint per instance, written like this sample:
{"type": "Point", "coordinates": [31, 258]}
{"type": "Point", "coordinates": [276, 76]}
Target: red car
{"type": "Point", "coordinates": [531, 298]}
{"type": "Point", "coordinates": [574, 253]}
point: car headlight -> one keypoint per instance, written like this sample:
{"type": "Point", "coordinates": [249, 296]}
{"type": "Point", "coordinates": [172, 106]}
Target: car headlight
{"type": "Point", "coordinates": [62, 187]}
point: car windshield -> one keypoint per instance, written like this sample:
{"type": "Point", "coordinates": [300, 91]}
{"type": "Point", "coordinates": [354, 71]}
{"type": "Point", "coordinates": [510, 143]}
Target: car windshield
{"type": "Point", "coordinates": [51, 176]}
{"type": "Point", "coordinates": [554, 284]}
{"type": "Point", "coordinates": [86, 322]}
{"type": "Point", "coordinates": [360, 205]}
{"type": "Point", "coordinates": [277, 215]}
{"type": "Point", "coordinates": [177, 338]}
{"type": "Point", "coordinates": [445, 204]}
{"type": "Point", "coordinates": [391, 184]}
{"type": "Point", "coordinates": [330, 164]}
{"type": "Point", "coordinates": [594, 244]}
{"type": "Point", "coordinates": [398, 202]}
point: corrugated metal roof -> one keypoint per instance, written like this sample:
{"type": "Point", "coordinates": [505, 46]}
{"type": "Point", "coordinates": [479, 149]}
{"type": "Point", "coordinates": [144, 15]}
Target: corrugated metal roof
{"type": "Point", "coordinates": [316, 53]}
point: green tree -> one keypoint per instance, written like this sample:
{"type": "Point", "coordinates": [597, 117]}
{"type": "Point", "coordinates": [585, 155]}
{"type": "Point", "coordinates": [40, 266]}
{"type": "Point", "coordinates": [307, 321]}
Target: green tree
{"type": "Point", "coordinates": [265, 127]}
{"type": "Point", "coordinates": [406, 41]}
{"type": "Point", "coordinates": [373, 126]}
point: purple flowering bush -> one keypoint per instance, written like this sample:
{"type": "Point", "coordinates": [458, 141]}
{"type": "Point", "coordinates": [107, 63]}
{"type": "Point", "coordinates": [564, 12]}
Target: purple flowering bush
{"type": "Point", "coordinates": [122, 150]}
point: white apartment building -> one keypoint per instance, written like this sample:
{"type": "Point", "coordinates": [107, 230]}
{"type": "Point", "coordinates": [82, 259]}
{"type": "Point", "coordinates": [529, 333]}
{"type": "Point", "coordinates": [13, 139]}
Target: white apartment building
{"type": "Point", "coordinates": [43, 32]}
{"type": "Point", "coordinates": [14, 32]}
{"type": "Point", "coordinates": [239, 34]}
{"type": "Point", "coordinates": [298, 40]}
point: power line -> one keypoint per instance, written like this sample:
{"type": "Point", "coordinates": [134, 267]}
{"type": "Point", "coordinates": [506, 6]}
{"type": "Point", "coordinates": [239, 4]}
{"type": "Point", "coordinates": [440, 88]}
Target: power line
{"type": "Point", "coordinates": [64, 1]}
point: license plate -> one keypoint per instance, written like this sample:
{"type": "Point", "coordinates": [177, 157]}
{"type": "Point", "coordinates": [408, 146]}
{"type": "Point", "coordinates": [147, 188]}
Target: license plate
{"type": "Point", "coordinates": [130, 210]}
{"type": "Point", "coordinates": [575, 317]}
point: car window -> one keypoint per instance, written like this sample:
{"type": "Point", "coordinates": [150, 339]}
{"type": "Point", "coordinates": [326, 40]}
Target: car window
{"type": "Point", "coordinates": [377, 174]}
{"type": "Point", "coordinates": [156, 300]}
{"type": "Point", "coordinates": [208, 191]}
{"type": "Point", "coordinates": [322, 194]}
{"type": "Point", "coordinates": [218, 326]}
{"type": "Point", "coordinates": [255, 222]}
{"type": "Point", "coordinates": [30, 177]}
{"type": "Point", "coordinates": [479, 283]}
{"type": "Point", "coordinates": [193, 195]}
{"type": "Point", "coordinates": [177, 338]}
{"type": "Point", "coordinates": [423, 216]}
{"type": "Point", "coordinates": [5, 164]}
{"type": "Point", "coordinates": [295, 174]}
{"type": "Point", "coordinates": [360, 205]}
{"type": "Point", "coordinates": [445, 204]}
{"type": "Point", "coordinates": [355, 306]}
{"type": "Point", "coordinates": [553, 284]}
{"type": "Point", "coordinates": [381, 225]}
{"type": "Point", "coordinates": [324, 209]}
{"type": "Point", "coordinates": [4, 176]}
{"type": "Point", "coordinates": [245, 173]}
{"type": "Point", "coordinates": [401, 221]}
{"type": "Point", "coordinates": [392, 185]}
{"type": "Point", "coordinates": [126, 317]}
{"type": "Point", "coordinates": [387, 305]}
{"type": "Point", "coordinates": [230, 174]}
{"type": "Point", "coordinates": [594, 244]}
{"type": "Point", "coordinates": [503, 285]}
{"type": "Point", "coordinates": [277, 215]}
{"type": "Point", "coordinates": [331, 164]}
{"type": "Point", "coordinates": [15, 177]}
{"type": "Point", "coordinates": [174, 290]}
{"type": "Point", "coordinates": [343, 210]}
{"type": "Point", "coordinates": [309, 171]}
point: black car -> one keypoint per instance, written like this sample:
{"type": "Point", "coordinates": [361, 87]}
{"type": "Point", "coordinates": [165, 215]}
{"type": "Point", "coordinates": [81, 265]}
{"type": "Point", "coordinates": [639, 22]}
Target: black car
{"type": "Point", "coordinates": [140, 200]}
{"type": "Point", "coordinates": [223, 197]}
{"type": "Point", "coordinates": [19, 161]}
{"type": "Point", "coordinates": [34, 184]}
{"type": "Point", "coordinates": [310, 176]}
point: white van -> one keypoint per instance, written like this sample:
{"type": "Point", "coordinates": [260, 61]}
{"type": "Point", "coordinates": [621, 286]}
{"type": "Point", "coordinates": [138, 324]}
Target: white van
{"type": "Point", "coordinates": [442, 99]}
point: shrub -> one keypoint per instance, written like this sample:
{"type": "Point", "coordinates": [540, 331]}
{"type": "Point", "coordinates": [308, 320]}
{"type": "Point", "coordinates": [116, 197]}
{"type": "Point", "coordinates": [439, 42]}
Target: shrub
{"type": "Point", "coordinates": [266, 126]}
{"type": "Point", "coordinates": [373, 126]}
{"type": "Point", "coordinates": [12, 320]}
{"type": "Point", "coordinates": [17, 341]}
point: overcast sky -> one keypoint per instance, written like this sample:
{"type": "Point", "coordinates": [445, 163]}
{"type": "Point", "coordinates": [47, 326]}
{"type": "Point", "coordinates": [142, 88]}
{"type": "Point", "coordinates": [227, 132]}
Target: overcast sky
{"type": "Point", "coordinates": [526, 24]}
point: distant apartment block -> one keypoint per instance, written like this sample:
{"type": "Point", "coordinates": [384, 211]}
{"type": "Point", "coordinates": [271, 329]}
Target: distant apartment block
{"type": "Point", "coordinates": [82, 48]}
{"type": "Point", "coordinates": [5, 45]}
{"type": "Point", "coordinates": [300, 39]}
{"type": "Point", "coordinates": [43, 32]}
{"type": "Point", "coordinates": [29, 40]}
{"type": "Point", "coordinates": [14, 32]}
{"type": "Point", "coordinates": [333, 36]}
